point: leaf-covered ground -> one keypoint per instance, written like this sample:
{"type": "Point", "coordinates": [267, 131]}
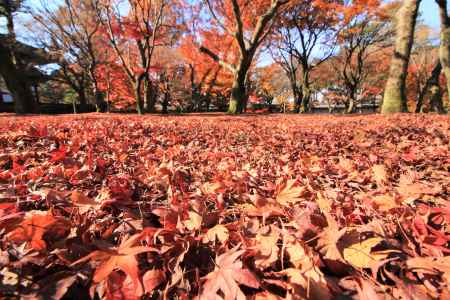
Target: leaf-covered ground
{"type": "Point", "coordinates": [257, 207]}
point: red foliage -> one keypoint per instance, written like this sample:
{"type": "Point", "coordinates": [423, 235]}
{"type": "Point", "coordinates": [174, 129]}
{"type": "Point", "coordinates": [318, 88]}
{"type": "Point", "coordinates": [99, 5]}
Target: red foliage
{"type": "Point", "coordinates": [123, 207]}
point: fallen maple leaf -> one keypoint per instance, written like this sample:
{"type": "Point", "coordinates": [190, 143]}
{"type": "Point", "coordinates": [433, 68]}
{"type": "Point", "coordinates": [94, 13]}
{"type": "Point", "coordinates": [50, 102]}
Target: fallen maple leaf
{"type": "Point", "coordinates": [433, 264]}
{"type": "Point", "coordinates": [384, 202]}
{"type": "Point", "coordinates": [152, 279]}
{"type": "Point", "coordinates": [291, 194]}
{"type": "Point", "coordinates": [267, 247]}
{"type": "Point", "coordinates": [360, 255]}
{"type": "Point", "coordinates": [380, 174]}
{"type": "Point", "coordinates": [217, 233]}
{"type": "Point", "coordinates": [38, 226]}
{"type": "Point", "coordinates": [83, 202]}
{"type": "Point", "coordinates": [227, 276]}
{"type": "Point", "coordinates": [122, 258]}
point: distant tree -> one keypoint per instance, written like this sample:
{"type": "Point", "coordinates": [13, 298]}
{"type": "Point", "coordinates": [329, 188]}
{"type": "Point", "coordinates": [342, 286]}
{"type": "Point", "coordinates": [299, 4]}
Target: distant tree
{"type": "Point", "coordinates": [134, 38]}
{"type": "Point", "coordinates": [248, 23]}
{"type": "Point", "coordinates": [72, 29]}
{"type": "Point", "coordinates": [304, 38]}
{"type": "Point", "coordinates": [365, 32]}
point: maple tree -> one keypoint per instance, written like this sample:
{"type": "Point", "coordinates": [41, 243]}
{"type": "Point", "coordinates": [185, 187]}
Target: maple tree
{"type": "Point", "coordinates": [303, 29]}
{"type": "Point", "coordinates": [364, 33]}
{"type": "Point", "coordinates": [72, 30]}
{"type": "Point", "coordinates": [248, 23]}
{"type": "Point", "coordinates": [134, 38]}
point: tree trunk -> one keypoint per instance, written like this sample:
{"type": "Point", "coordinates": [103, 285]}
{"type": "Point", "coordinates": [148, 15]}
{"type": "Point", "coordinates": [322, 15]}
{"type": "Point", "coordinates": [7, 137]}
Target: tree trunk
{"type": "Point", "coordinates": [432, 80]}
{"type": "Point", "coordinates": [394, 99]}
{"type": "Point", "coordinates": [138, 96]}
{"type": "Point", "coordinates": [298, 95]}
{"type": "Point", "coordinates": [82, 98]}
{"type": "Point", "coordinates": [306, 91]}
{"type": "Point", "coordinates": [17, 84]}
{"type": "Point", "coordinates": [151, 95]}
{"type": "Point", "coordinates": [237, 96]}
{"type": "Point", "coordinates": [238, 89]}
{"type": "Point", "coordinates": [165, 104]}
{"type": "Point", "coordinates": [351, 106]}
{"type": "Point", "coordinates": [74, 106]}
{"type": "Point", "coordinates": [444, 49]}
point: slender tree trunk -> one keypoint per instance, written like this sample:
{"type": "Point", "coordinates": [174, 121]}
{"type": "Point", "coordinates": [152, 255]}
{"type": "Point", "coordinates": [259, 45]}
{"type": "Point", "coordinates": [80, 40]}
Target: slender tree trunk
{"type": "Point", "coordinates": [165, 104]}
{"type": "Point", "coordinates": [444, 49]}
{"type": "Point", "coordinates": [138, 95]}
{"type": "Point", "coordinates": [351, 105]}
{"type": "Point", "coordinates": [394, 99]}
{"type": "Point", "coordinates": [74, 106]}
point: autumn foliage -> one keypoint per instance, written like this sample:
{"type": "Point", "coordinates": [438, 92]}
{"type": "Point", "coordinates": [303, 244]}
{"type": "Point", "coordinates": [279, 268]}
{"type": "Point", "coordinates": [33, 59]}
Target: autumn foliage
{"type": "Point", "coordinates": [123, 207]}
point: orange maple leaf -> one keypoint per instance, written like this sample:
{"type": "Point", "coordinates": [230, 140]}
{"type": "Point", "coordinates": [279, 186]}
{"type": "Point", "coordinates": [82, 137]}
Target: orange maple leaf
{"type": "Point", "coordinates": [122, 258]}
{"type": "Point", "coordinates": [36, 228]}
{"type": "Point", "coordinates": [227, 276]}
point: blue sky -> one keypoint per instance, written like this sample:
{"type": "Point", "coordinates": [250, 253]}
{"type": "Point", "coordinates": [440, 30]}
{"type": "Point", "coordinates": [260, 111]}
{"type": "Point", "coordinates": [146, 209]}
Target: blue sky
{"type": "Point", "coordinates": [428, 10]}
{"type": "Point", "coordinates": [429, 13]}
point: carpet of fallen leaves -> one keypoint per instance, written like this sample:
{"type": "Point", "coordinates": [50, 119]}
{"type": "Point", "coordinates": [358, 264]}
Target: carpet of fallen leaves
{"type": "Point", "coordinates": [252, 207]}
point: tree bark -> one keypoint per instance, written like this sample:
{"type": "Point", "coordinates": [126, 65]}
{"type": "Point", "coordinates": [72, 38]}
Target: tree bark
{"type": "Point", "coordinates": [394, 99]}
{"type": "Point", "coordinates": [150, 96]}
{"type": "Point", "coordinates": [138, 96]}
{"type": "Point", "coordinates": [444, 49]}
{"type": "Point", "coordinates": [165, 104]}
{"type": "Point", "coordinates": [431, 81]}
{"type": "Point", "coordinates": [238, 89]}
{"type": "Point", "coordinates": [16, 83]}
{"type": "Point", "coordinates": [82, 97]}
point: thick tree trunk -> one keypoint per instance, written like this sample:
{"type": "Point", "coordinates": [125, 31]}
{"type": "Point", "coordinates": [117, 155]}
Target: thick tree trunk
{"type": "Point", "coordinates": [431, 81]}
{"type": "Point", "coordinates": [298, 95]}
{"type": "Point", "coordinates": [82, 98]}
{"type": "Point", "coordinates": [306, 90]}
{"type": "Point", "coordinates": [238, 90]}
{"type": "Point", "coordinates": [150, 95]}
{"type": "Point", "coordinates": [17, 84]}
{"type": "Point", "coordinates": [444, 49]}
{"type": "Point", "coordinates": [436, 103]}
{"type": "Point", "coordinates": [394, 99]}
{"type": "Point", "coordinates": [238, 94]}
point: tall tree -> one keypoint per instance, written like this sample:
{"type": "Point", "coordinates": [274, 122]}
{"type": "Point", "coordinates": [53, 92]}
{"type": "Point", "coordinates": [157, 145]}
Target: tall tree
{"type": "Point", "coordinates": [72, 29]}
{"type": "Point", "coordinates": [394, 99]}
{"type": "Point", "coordinates": [249, 23]}
{"type": "Point", "coordinates": [364, 34]}
{"type": "Point", "coordinates": [11, 66]}
{"type": "Point", "coordinates": [134, 38]}
{"type": "Point", "coordinates": [303, 39]}
{"type": "Point", "coordinates": [444, 49]}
